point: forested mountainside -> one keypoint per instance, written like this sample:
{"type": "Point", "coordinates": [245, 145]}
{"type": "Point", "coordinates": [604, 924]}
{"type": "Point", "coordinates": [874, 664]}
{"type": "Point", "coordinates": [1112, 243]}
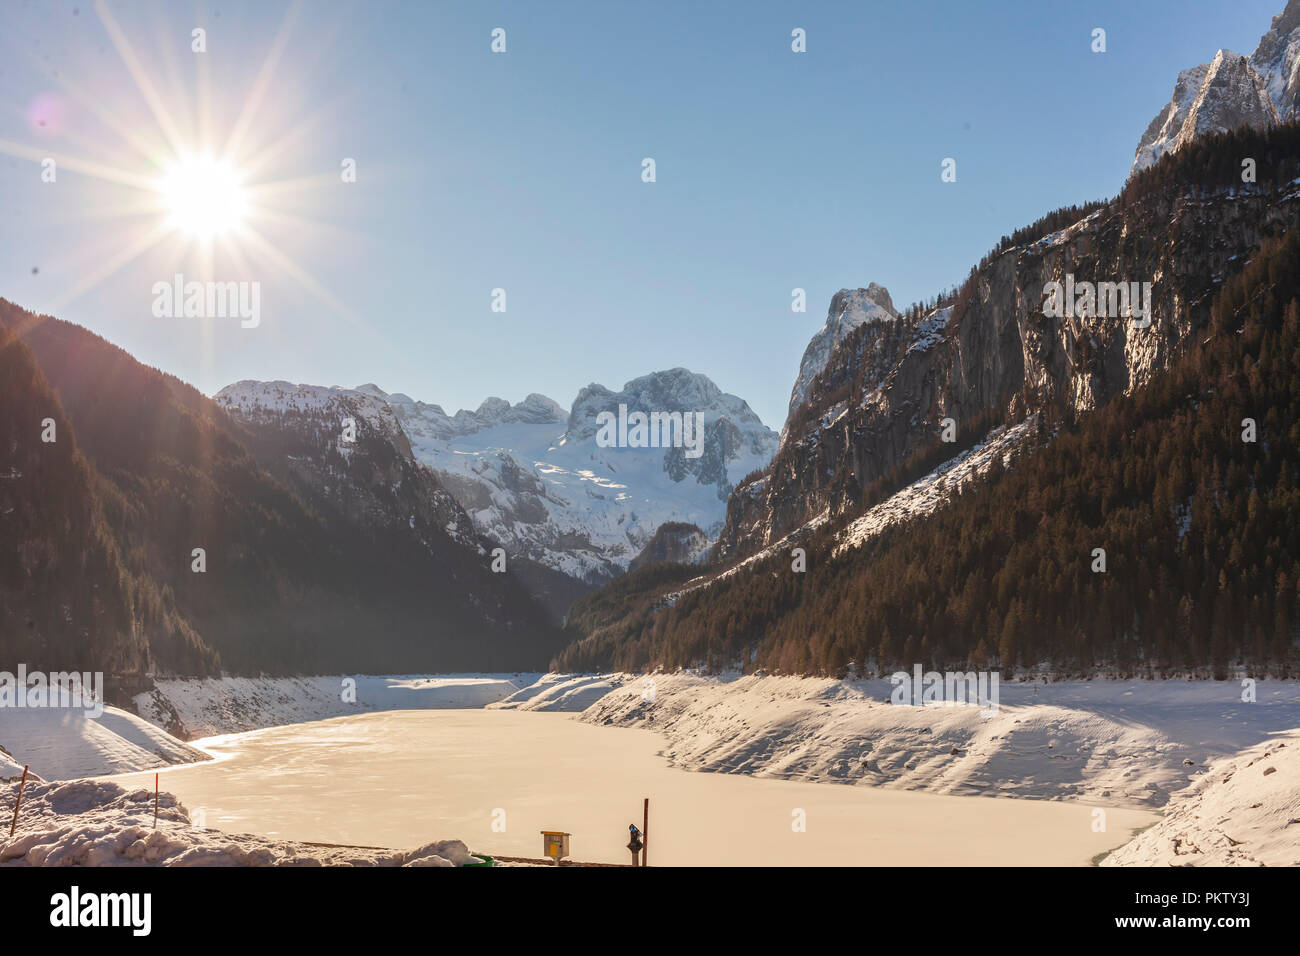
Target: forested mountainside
{"type": "Point", "coordinates": [1136, 447]}
{"type": "Point", "coordinates": [988, 354]}
{"type": "Point", "coordinates": [65, 595]}
{"type": "Point", "coordinates": [371, 480]}
{"type": "Point", "coordinates": [295, 579]}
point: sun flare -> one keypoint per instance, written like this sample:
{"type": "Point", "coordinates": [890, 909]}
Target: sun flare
{"type": "Point", "coordinates": [203, 197]}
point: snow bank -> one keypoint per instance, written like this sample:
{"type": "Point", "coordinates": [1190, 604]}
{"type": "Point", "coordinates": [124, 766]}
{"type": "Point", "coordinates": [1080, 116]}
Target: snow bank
{"type": "Point", "coordinates": [1244, 812]}
{"type": "Point", "coordinates": [97, 823]}
{"type": "Point", "coordinates": [62, 743]}
{"type": "Point", "coordinates": [209, 707]}
{"type": "Point", "coordinates": [561, 692]}
{"type": "Point", "coordinates": [1116, 743]}
{"type": "Point", "coordinates": [10, 770]}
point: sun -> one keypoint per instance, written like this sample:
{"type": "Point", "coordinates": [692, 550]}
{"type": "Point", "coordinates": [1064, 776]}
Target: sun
{"type": "Point", "coordinates": [203, 197]}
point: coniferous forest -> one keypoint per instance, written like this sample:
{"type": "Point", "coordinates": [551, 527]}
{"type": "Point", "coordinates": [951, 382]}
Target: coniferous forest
{"type": "Point", "coordinates": [1189, 486]}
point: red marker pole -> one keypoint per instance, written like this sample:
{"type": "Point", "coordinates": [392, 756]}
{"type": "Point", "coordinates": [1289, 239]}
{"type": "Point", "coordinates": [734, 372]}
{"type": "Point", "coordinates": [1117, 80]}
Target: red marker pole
{"type": "Point", "coordinates": [18, 803]}
{"type": "Point", "coordinates": [155, 801]}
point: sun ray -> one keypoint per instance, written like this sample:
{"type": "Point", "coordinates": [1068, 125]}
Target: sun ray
{"type": "Point", "coordinates": [110, 266]}
{"type": "Point", "coordinates": [146, 145]}
{"type": "Point", "coordinates": [253, 101]}
{"type": "Point", "coordinates": [142, 81]}
{"type": "Point", "coordinates": [198, 172]}
{"type": "Point", "coordinates": [301, 223]}
{"type": "Point", "coordinates": [203, 98]}
{"type": "Point", "coordinates": [304, 278]}
{"type": "Point", "coordinates": [276, 187]}
{"type": "Point", "coordinates": [272, 150]}
{"type": "Point", "coordinates": [85, 167]}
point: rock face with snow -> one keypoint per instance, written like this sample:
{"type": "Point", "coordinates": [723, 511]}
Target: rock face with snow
{"type": "Point", "coordinates": [674, 541]}
{"type": "Point", "coordinates": [433, 422]}
{"type": "Point", "coordinates": [991, 355]}
{"type": "Point", "coordinates": [1277, 60]}
{"type": "Point", "coordinates": [1212, 98]}
{"type": "Point", "coordinates": [850, 308]}
{"type": "Point", "coordinates": [345, 453]}
{"type": "Point", "coordinates": [1231, 91]}
{"type": "Point", "coordinates": [539, 482]}
{"type": "Point", "coordinates": [529, 477]}
{"type": "Point", "coordinates": [301, 433]}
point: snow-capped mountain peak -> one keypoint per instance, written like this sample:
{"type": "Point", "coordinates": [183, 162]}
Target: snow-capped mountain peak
{"type": "Point", "coordinates": [1277, 60]}
{"type": "Point", "coordinates": [850, 308]}
{"type": "Point", "coordinates": [1211, 98]}
{"type": "Point", "coordinates": [532, 475]}
{"type": "Point", "coordinates": [536, 478]}
{"type": "Point", "coordinates": [1231, 91]}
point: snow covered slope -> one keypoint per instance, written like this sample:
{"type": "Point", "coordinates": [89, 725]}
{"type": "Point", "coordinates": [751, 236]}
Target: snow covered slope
{"type": "Point", "coordinates": [539, 484]}
{"type": "Point", "coordinates": [63, 743]}
{"type": "Point", "coordinates": [98, 823]}
{"type": "Point", "coordinates": [208, 707]}
{"type": "Point", "coordinates": [926, 494]}
{"type": "Point", "coordinates": [1117, 743]}
{"type": "Point", "coordinates": [1244, 812]}
{"type": "Point", "coordinates": [563, 692]}
{"type": "Point", "coordinates": [533, 477]}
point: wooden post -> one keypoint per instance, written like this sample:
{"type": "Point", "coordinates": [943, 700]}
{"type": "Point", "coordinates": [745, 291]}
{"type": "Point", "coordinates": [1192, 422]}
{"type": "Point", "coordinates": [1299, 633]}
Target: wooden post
{"type": "Point", "coordinates": [645, 833]}
{"type": "Point", "coordinates": [155, 801]}
{"type": "Point", "coordinates": [19, 802]}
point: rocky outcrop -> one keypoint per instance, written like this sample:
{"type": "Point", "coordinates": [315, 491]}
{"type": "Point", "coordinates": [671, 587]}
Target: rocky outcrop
{"type": "Point", "coordinates": [1231, 91]}
{"type": "Point", "coordinates": [301, 433]}
{"type": "Point", "coordinates": [674, 541]}
{"type": "Point", "coordinates": [992, 355]}
{"type": "Point", "coordinates": [1211, 98]}
{"type": "Point", "coordinates": [545, 484]}
{"type": "Point", "coordinates": [430, 421]}
{"type": "Point", "coordinates": [850, 309]}
{"type": "Point", "coordinates": [1277, 60]}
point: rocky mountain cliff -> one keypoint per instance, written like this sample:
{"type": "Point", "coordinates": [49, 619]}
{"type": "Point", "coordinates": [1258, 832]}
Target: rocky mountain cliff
{"type": "Point", "coordinates": [1277, 60]}
{"type": "Point", "coordinates": [530, 477]}
{"type": "Point", "coordinates": [369, 474]}
{"type": "Point", "coordinates": [538, 481]}
{"type": "Point", "coordinates": [300, 434]}
{"type": "Point", "coordinates": [850, 308]}
{"type": "Point", "coordinates": [1230, 91]}
{"type": "Point", "coordinates": [1073, 432]}
{"type": "Point", "coordinates": [675, 542]}
{"type": "Point", "coordinates": [991, 355]}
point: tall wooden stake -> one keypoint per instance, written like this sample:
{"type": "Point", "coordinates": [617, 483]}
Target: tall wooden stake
{"type": "Point", "coordinates": [18, 803]}
{"type": "Point", "coordinates": [645, 833]}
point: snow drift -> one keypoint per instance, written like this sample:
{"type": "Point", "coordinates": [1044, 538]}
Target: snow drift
{"type": "Point", "coordinates": [98, 823]}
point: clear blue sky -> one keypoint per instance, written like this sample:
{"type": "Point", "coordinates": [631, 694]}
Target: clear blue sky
{"type": "Point", "coordinates": [523, 171]}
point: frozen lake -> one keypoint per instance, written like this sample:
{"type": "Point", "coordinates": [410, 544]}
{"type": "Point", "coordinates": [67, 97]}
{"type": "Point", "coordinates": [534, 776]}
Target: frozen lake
{"type": "Point", "coordinates": [404, 778]}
